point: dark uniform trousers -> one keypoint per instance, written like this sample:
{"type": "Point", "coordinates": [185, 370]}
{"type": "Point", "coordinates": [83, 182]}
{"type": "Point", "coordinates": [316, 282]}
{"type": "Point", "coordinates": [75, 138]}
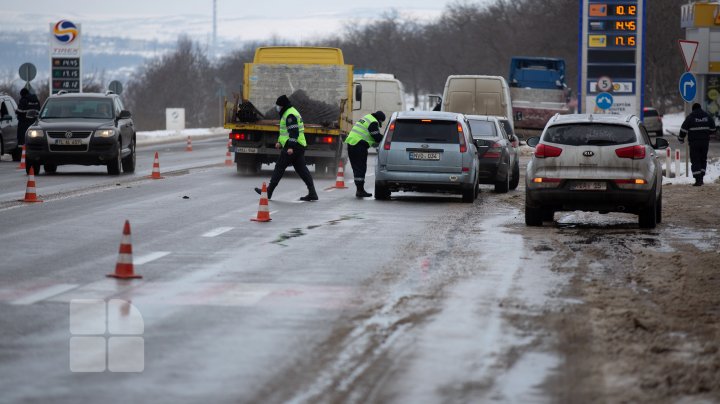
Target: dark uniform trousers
{"type": "Point", "coordinates": [297, 160]}
{"type": "Point", "coordinates": [698, 156]}
{"type": "Point", "coordinates": [358, 154]}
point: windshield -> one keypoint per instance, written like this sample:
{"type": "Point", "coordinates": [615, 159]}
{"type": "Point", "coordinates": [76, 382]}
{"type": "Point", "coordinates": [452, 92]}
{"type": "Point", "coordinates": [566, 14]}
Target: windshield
{"type": "Point", "coordinates": [590, 134]}
{"type": "Point", "coordinates": [89, 108]}
{"type": "Point", "coordinates": [482, 128]}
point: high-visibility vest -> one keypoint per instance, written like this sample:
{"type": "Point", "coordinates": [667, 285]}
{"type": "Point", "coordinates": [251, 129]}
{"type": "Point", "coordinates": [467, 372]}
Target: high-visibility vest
{"type": "Point", "coordinates": [284, 134]}
{"type": "Point", "coordinates": [360, 131]}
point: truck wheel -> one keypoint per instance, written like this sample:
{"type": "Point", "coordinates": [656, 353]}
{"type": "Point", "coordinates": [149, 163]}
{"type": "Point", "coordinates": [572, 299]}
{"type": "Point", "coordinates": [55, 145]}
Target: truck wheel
{"type": "Point", "coordinates": [248, 166]}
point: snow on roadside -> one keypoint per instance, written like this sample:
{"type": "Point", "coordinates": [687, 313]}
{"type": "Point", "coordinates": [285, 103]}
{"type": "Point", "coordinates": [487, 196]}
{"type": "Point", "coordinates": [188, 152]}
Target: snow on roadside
{"type": "Point", "coordinates": [166, 136]}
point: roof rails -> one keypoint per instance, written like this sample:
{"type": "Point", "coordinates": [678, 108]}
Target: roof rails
{"type": "Point", "coordinates": [108, 92]}
{"type": "Point", "coordinates": [61, 92]}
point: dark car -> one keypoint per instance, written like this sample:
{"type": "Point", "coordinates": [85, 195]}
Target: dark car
{"type": "Point", "coordinates": [82, 128]}
{"type": "Point", "coordinates": [497, 151]}
{"type": "Point", "coordinates": [652, 121]}
{"type": "Point", "coordinates": [8, 127]}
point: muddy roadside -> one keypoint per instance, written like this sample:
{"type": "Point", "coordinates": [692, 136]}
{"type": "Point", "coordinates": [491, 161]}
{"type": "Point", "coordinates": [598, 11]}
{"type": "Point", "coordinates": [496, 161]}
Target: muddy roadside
{"type": "Point", "coordinates": [648, 325]}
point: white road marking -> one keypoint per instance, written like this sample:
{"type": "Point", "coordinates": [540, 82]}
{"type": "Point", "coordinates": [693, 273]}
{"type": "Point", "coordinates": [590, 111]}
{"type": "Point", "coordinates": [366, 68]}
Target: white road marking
{"type": "Point", "coordinates": [329, 189]}
{"type": "Point", "coordinates": [150, 257]}
{"type": "Point", "coordinates": [217, 232]}
{"type": "Point", "coordinates": [274, 212]}
{"type": "Point", "coordinates": [43, 294]}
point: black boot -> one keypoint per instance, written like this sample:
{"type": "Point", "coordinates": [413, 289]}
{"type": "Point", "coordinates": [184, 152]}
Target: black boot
{"type": "Point", "coordinates": [311, 196]}
{"type": "Point", "coordinates": [269, 191]}
{"type": "Point", "coordinates": [361, 193]}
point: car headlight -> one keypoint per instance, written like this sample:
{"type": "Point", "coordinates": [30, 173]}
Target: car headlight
{"type": "Point", "coordinates": [104, 133]}
{"type": "Point", "coordinates": [34, 133]}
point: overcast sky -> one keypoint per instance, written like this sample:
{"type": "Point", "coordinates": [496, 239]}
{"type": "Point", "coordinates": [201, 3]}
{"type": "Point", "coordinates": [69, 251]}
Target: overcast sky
{"type": "Point", "coordinates": [237, 20]}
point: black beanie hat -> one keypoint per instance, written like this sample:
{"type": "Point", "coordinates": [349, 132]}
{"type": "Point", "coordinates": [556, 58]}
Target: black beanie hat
{"type": "Point", "coordinates": [24, 92]}
{"type": "Point", "coordinates": [283, 101]}
{"type": "Point", "coordinates": [696, 106]}
{"type": "Point", "coordinates": [379, 115]}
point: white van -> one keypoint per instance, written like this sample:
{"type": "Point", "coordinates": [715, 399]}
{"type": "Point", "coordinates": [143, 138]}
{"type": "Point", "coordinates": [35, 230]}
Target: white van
{"type": "Point", "coordinates": [478, 95]}
{"type": "Point", "coordinates": [380, 92]}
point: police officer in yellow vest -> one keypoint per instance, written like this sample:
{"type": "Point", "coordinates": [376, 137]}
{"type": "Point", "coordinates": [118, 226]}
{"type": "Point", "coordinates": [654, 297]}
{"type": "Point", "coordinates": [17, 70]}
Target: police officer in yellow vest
{"type": "Point", "coordinates": [292, 141]}
{"type": "Point", "coordinates": [364, 134]}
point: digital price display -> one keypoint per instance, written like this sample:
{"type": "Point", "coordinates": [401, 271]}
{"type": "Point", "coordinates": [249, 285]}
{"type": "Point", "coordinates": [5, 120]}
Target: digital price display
{"type": "Point", "coordinates": [611, 38]}
{"type": "Point", "coordinates": [65, 74]}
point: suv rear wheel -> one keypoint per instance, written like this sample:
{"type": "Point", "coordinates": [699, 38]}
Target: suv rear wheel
{"type": "Point", "coordinates": [503, 185]}
{"type": "Point", "coordinates": [533, 214]}
{"type": "Point", "coordinates": [515, 181]}
{"type": "Point", "coordinates": [647, 219]}
{"type": "Point", "coordinates": [381, 192]}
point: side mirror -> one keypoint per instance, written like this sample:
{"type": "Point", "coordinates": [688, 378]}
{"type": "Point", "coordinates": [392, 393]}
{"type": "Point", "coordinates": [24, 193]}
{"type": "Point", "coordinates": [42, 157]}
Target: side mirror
{"type": "Point", "coordinates": [475, 142]}
{"type": "Point", "coordinates": [124, 114]}
{"type": "Point", "coordinates": [518, 116]}
{"type": "Point", "coordinates": [661, 143]}
{"type": "Point", "coordinates": [32, 114]}
{"type": "Point", "coordinates": [358, 92]}
{"type": "Point", "coordinates": [533, 141]}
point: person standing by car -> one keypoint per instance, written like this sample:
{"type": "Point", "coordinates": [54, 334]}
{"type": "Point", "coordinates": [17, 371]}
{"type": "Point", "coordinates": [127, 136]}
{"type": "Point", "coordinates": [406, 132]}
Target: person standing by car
{"type": "Point", "coordinates": [292, 142]}
{"type": "Point", "coordinates": [28, 102]}
{"type": "Point", "coordinates": [363, 135]}
{"type": "Point", "coordinates": [697, 127]}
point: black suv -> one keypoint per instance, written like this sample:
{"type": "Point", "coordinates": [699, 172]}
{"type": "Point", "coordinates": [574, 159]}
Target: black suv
{"type": "Point", "coordinates": [81, 128]}
{"type": "Point", "coordinates": [8, 127]}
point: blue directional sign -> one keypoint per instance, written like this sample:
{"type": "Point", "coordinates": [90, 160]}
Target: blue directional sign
{"type": "Point", "coordinates": [688, 86]}
{"type": "Point", "coordinates": [604, 101]}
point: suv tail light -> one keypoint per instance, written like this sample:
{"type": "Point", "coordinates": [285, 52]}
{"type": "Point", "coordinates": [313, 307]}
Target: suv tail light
{"type": "Point", "coordinates": [388, 138]}
{"type": "Point", "coordinates": [463, 145]}
{"type": "Point", "coordinates": [493, 152]}
{"type": "Point", "coordinates": [543, 150]}
{"type": "Point", "coordinates": [636, 152]}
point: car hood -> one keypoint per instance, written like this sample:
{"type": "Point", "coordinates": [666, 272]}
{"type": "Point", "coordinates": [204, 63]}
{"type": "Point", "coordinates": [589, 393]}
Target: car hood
{"type": "Point", "coordinates": [73, 124]}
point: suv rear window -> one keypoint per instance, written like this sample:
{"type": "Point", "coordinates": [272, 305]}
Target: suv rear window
{"type": "Point", "coordinates": [650, 112]}
{"type": "Point", "coordinates": [482, 128]}
{"type": "Point", "coordinates": [425, 131]}
{"type": "Point", "coordinates": [590, 134]}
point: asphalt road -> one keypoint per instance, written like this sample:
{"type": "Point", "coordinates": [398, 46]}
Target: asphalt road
{"type": "Point", "coordinates": [418, 299]}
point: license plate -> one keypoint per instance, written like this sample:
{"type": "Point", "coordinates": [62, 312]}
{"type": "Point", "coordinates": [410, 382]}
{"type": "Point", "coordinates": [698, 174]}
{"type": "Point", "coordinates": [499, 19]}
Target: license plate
{"type": "Point", "coordinates": [246, 150]}
{"type": "Point", "coordinates": [68, 142]}
{"type": "Point", "coordinates": [424, 156]}
{"type": "Point", "coordinates": [589, 186]}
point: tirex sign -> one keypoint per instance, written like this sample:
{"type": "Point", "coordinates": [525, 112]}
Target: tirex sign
{"type": "Point", "coordinates": [65, 50]}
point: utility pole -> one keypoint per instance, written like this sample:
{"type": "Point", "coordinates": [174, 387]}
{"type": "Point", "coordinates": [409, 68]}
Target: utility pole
{"type": "Point", "coordinates": [214, 38]}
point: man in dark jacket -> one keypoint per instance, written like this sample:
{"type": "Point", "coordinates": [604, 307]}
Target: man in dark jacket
{"type": "Point", "coordinates": [697, 127]}
{"type": "Point", "coordinates": [363, 135]}
{"type": "Point", "coordinates": [292, 141]}
{"type": "Point", "coordinates": [28, 102]}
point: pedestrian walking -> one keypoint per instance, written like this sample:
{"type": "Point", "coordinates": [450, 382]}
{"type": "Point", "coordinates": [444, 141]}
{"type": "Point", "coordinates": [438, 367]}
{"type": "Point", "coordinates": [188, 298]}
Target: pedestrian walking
{"type": "Point", "coordinates": [363, 135]}
{"type": "Point", "coordinates": [698, 126]}
{"type": "Point", "coordinates": [292, 143]}
{"type": "Point", "coordinates": [28, 102]}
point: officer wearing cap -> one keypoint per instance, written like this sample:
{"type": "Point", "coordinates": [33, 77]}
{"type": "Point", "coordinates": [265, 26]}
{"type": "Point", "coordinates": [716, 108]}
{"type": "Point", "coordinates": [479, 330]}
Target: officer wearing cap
{"type": "Point", "coordinates": [363, 135]}
{"type": "Point", "coordinates": [292, 142]}
{"type": "Point", "coordinates": [697, 127]}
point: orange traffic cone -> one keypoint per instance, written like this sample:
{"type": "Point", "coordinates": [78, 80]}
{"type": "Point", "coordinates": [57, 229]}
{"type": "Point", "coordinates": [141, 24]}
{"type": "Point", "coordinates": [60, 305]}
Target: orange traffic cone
{"type": "Point", "coordinates": [263, 214]}
{"type": "Point", "coordinates": [228, 156]}
{"type": "Point", "coordinates": [189, 145]}
{"type": "Point", "coordinates": [124, 266]}
{"type": "Point", "coordinates": [22, 159]}
{"type": "Point", "coordinates": [340, 181]}
{"type": "Point", "coordinates": [156, 169]}
{"type": "Point", "coordinates": [30, 195]}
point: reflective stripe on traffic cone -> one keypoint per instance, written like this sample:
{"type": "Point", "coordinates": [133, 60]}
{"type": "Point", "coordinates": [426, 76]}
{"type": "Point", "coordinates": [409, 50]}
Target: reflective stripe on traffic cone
{"type": "Point", "coordinates": [156, 169]}
{"type": "Point", "coordinates": [263, 214]}
{"type": "Point", "coordinates": [189, 145]}
{"type": "Point", "coordinates": [228, 156]}
{"type": "Point", "coordinates": [22, 159]}
{"type": "Point", "coordinates": [30, 195]}
{"type": "Point", "coordinates": [124, 266]}
{"type": "Point", "coordinates": [340, 181]}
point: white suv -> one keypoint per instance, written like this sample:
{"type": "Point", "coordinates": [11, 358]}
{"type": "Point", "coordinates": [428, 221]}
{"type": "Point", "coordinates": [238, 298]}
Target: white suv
{"type": "Point", "coordinates": [602, 163]}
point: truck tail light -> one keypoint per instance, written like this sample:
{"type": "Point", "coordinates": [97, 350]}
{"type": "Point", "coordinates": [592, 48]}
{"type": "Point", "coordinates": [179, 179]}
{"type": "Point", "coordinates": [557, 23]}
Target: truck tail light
{"type": "Point", "coordinates": [327, 139]}
{"type": "Point", "coordinates": [542, 151]}
{"type": "Point", "coordinates": [239, 136]}
{"type": "Point", "coordinates": [388, 138]}
{"type": "Point", "coordinates": [493, 152]}
{"type": "Point", "coordinates": [636, 152]}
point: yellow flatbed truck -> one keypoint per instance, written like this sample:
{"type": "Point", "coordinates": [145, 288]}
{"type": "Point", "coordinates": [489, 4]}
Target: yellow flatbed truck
{"type": "Point", "coordinates": [318, 83]}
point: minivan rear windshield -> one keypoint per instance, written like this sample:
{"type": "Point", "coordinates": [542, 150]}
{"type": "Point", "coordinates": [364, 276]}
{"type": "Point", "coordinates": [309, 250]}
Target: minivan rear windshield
{"type": "Point", "coordinates": [590, 134]}
{"type": "Point", "coordinates": [482, 128]}
{"type": "Point", "coordinates": [425, 131]}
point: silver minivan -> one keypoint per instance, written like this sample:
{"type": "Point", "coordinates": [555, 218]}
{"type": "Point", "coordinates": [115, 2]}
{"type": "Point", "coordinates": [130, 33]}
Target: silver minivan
{"type": "Point", "coordinates": [602, 163]}
{"type": "Point", "coordinates": [427, 151]}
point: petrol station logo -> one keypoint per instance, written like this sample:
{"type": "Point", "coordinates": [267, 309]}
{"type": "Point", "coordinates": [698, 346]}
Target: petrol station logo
{"type": "Point", "coordinates": [65, 31]}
